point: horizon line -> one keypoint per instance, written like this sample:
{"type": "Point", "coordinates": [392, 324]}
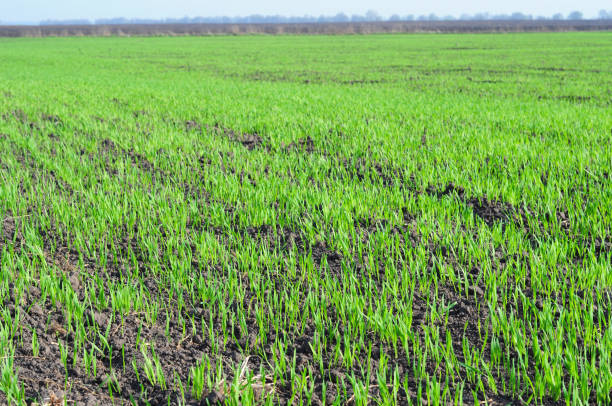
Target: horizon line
{"type": "Point", "coordinates": [341, 17]}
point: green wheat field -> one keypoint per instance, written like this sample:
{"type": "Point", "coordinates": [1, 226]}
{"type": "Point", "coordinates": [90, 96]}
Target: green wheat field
{"type": "Point", "coordinates": [338, 220]}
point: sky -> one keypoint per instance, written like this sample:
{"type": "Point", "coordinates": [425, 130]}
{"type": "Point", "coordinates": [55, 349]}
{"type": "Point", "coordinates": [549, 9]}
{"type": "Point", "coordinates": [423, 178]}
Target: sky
{"type": "Point", "coordinates": [37, 10]}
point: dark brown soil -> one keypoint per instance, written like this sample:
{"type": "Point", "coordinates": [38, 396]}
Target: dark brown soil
{"type": "Point", "coordinates": [250, 141]}
{"type": "Point", "coordinates": [117, 381]}
{"type": "Point", "coordinates": [362, 169]}
{"type": "Point", "coordinates": [17, 114]}
{"type": "Point", "coordinates": [463, 319]}
{"type": "Point", "coordinates": [575, 98]}
{"type": "Point", "coordinates": [603, 247]}
{"type": "Point", "coordinates": [108, 146]}
{"type": "Point", "coordinates": [247, 140]}
{"type": "Point", "coordinates": [45, 376]}
{"type": "Point", "coordinates": [51, 118]}
{"type": "Point", "coordinates": [302, 144]}
{"type": "Point", "coordinates": [113, 152]}
{"type": "Point", "coordinates": [178, 351]}
{"type": "Point", "coordinates": [39, 173]}
{"type": "Point", "coordinates": [192, 125]}
{"type": "Point", "coordinates": [489, 211]}
{"type": "Point", "coordinates": [362, 82]}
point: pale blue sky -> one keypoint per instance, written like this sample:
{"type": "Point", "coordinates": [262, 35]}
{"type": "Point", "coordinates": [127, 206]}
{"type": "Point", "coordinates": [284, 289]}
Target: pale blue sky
{"type": "Point", "coordinates": [36, 10]}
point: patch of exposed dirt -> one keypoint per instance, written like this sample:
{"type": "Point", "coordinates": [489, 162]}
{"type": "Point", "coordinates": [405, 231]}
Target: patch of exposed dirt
{"type": "Point", "coordinates": [250, 141]}
{"type": "Point", "coordinates": [139, 113]}
{"type": "Point", "coordinates": [278, 239]}
{"type": "Point", "coordinates": [51, 118]}
{"type": "Point", "coordinates": [108, 146]}
{"type": "Point", "coordinates": [602, 246]}
{"type": "Point", "coordinates": [366, 227]}
{"type": "Point", "coordinates": [488, 210]}
{"type": "Point", "coordinates": [302, 144]}
{"type": "Point", "coordinates": [10, 232]}
{"type": "Point", "coordinates": [45, 374]}
{"type": "Point", "coordinates": [29, 163]}
{"type": "Point", "coordinates": [191, 125]}
{"type": "Point", "coordinates": [176, 351]}
{"type": "Point", "coordinates": [18, 115]}
{"type": "Point", "coordinates": [362, 169]}
{"type": "Point", "coordinates": [464, 318]}
{"type": "Point", "coordinates": [575, 98]}
{"type": "Point", "coordinates": [140, 160]}
{"type": "Point", "coordinates": [247, 140]}
{"type": "Point", "coordinates": [490, 81]}
{"type": "Point", "coordinates": [118, 102]}
{"type": "Point", "coordinates": [458, 48]}
{"type": "Point", "coordinates": [111, 150]}
{"type": "Point", "coordinates": [284, 239]}
{"type": "Point", "coordinates": [363, 82]}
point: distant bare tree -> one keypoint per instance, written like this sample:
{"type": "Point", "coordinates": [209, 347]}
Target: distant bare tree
{"type": "Point", "coordinates": [520, 16]}
{"type": "Point", "coordinates": [574, 15]}
{"type": "Point", "coordinates": [342, 18]}
{"type": "Point", "coordinates": [372, 15]}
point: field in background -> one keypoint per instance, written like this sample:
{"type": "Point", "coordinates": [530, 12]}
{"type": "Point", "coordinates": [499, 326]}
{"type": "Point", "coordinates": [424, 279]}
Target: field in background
{"type": "Point", "coordinates": [349, 220]}
{"type": "Point", "coordinates": [489, 26]}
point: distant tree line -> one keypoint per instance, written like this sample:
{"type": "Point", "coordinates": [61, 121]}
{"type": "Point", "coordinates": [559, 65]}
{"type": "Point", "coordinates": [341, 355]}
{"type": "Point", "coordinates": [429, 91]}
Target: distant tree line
{"type": "Point", "coordinates": [329, 28]}
{"type": "Point", "coordinates": [370, 16]}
